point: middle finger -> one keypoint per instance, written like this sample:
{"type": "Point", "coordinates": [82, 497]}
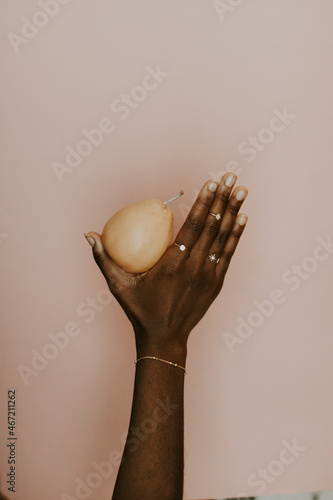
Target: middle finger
{"type": "Point", "coordinates": [215, 214]}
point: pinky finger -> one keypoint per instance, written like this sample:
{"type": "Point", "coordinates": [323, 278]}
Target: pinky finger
{"type": "Point", "coordinates": [231, 245]}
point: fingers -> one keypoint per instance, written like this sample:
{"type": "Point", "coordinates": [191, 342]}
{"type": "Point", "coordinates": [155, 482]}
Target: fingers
{"type": "Point", "coordinates": [195, 221]}
{"type": "Point", "coordinates": [111, 271]}
{"type": "Point", "coordinates": [235, 202]}
{"type": "Point", "coordinates": [216, 233]}
{"type": "Point", "coordinates": [215, 216]}
{"type": "Point", "coordinates": [230, 246]}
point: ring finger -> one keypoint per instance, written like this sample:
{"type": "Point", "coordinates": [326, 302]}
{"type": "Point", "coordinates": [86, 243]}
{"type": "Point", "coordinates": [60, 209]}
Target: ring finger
{"type": "Point", "coordinates": [227, 224]}
{"type": "Point", "coordinates": [230, 247]}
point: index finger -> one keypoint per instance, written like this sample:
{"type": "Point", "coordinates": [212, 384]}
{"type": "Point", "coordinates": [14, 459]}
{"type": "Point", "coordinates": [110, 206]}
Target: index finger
{"type": "Point", "coordinates": [195, 221]}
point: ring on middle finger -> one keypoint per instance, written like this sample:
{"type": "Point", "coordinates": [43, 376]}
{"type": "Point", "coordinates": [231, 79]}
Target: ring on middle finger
{"type": "Point", "coordinates": [217, 216]}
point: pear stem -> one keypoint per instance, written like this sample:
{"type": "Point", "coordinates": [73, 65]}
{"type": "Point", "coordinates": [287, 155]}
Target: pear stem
{"type": "Point", "coordinates": [175, 197]}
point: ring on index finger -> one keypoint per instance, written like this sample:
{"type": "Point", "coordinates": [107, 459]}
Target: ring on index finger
{"type": "Point", "coordinates": [182, 247]}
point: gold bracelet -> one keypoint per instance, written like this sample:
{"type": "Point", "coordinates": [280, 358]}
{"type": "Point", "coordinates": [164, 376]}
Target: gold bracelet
{"type": "Point", "coordinates": [163, 360]}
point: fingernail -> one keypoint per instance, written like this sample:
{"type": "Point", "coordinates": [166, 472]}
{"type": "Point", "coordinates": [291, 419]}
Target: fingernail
{"type": "Point", "coordinates": [230, 180]}
{"type": "Point", "coordinates": [241, 195]}
{"type": "Point", "coordinates": [212, 186]}
{"type": "Point", "coordinates": [242, 220]}
{"type": "Point", "coordinates": [89, 239]}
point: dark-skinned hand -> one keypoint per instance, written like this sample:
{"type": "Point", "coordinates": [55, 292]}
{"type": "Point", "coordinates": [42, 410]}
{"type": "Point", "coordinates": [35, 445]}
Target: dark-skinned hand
{"type": "Point", "coordinates": [165, 303]}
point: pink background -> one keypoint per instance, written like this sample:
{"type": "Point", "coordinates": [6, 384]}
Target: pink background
{"type": "Point", "coordinates": [226, 75]}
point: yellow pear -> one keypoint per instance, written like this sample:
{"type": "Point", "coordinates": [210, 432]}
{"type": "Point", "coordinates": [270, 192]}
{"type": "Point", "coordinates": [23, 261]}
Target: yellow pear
{"type": "Point", "coordinates": [137, 235]}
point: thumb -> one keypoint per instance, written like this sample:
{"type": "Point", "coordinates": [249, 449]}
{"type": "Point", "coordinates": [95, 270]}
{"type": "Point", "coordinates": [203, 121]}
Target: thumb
{"type": "Point", "coordinates": [113, 274]}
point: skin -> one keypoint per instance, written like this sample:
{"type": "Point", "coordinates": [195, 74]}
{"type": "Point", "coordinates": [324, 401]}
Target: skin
{"type": "Point", "coordinates": [164, 304]}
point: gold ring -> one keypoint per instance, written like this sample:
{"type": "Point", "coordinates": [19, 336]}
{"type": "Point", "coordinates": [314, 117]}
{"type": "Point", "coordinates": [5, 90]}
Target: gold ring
{"type": "Point", "coordinates": [182, 248]}
{"type": "Point", "coordinates": [217, 216]}
{"type": "Point", "coordinates": [212, 257]}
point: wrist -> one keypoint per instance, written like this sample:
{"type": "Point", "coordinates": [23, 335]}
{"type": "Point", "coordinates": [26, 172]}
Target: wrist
{"type": "Point", "coordinates": [175, 352]}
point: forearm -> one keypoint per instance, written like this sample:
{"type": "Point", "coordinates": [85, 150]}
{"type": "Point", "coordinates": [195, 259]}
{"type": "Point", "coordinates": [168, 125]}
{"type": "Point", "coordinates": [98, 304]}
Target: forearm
{"type": "Point", "coordinates": [174, 295]}
{"type": "Point", "coordinates": [153, 459]}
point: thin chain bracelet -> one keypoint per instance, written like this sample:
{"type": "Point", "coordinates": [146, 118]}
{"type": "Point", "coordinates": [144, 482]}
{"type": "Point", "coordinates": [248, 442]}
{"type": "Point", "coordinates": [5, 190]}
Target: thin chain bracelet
{"type": "Point", "coordinates": [163, 360]}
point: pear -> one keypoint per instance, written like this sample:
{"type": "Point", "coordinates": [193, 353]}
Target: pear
{"type": "Point", "coordinates": [137, 235]}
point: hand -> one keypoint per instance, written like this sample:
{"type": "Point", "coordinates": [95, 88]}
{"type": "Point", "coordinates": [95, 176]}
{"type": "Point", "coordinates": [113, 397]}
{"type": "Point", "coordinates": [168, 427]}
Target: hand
{"type": "Point", "coordinates": [166, 302]}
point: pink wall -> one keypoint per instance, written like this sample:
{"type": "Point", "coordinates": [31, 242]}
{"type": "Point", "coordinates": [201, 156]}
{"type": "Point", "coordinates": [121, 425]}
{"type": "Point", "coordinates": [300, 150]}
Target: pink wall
{"type": "Point", "coordinates": [227, 71]}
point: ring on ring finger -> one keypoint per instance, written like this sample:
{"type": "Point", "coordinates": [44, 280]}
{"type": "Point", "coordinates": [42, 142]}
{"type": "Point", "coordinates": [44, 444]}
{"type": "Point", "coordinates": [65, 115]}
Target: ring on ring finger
{"type": "Point", "coordinates": [213, 258]}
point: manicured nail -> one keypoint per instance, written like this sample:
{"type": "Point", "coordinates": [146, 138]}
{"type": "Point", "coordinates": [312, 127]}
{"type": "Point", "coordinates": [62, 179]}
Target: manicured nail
{"type": "Point", "coordinates": [212, 186]}
{"type": "Point", "coordinates": [90, 239]}
{"type": "Point", "coordinates": [230, 180]}
{"type": "Point", "coordinates": [242, 220]}
{"type": "Point", "coordinates": [241, 195]}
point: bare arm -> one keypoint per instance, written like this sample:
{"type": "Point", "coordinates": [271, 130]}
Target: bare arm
{"type": "Point", "coordinates": [164, 304]}
{"type": "Point", "coordinates": [153, 457]}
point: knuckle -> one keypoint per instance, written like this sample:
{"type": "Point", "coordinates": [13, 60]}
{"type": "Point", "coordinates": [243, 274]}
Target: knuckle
{"type": "Point", "coordinates": [214, 292]}
{"type": "Point", "coordinates": [223, 238]}
{"type": "Point", "coordinates": [227, 256]}
{"type": "Point", "coordinates": [193, 273]}
{"type": "Point", "coordinates": [117, 283]}
{"type": "Point", "coordinates": [234, 209]}
{"type": "Point", "coordinates": [211, 228]}
{"type": "Point", "coordinates": [114, 286]}
{"type": "Point", "coordinates": [171, 268]}
{"type": "Point", "coordinates": [206, 200]}
{"type": "Point", "coordinates": [192, 277]}
{"type": "Point", "coordinates": [236, 234]}
{"type": "Point", "coordinates": [194, 224]}
{"type": "Point", "coordinates": [99, 258]}
{"type": "Point", "coordinates": [112, 282]}
{"type": "Point", "coordinates": [223, 197]}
